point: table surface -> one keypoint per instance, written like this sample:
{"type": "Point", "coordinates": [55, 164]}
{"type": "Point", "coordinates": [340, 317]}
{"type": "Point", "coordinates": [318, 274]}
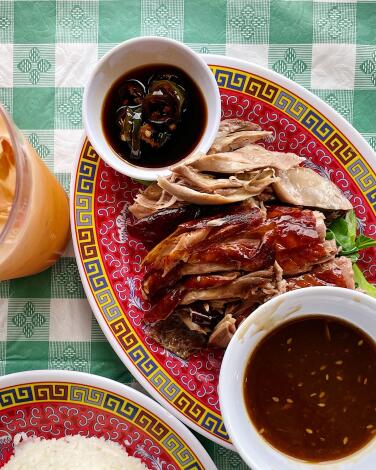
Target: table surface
{"type": "Point", "coordinates": [47, 49]}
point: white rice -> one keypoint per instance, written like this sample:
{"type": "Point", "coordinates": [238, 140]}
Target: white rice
{"type": "Point", "coordinates": [70, 453]}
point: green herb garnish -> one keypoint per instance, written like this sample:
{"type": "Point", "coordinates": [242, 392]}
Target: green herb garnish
{"type": "Point", "coordinates": [362, 283]}
{"type": "Point", "coordinates": [343, 231]}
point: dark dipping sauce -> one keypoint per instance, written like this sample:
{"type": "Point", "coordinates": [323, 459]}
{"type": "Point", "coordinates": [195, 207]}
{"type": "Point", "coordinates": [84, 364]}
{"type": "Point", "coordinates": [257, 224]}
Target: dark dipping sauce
{"type": "Point", "coordinates": [310, 388]}
{"type": "Point", "coordinates": [170, 121]}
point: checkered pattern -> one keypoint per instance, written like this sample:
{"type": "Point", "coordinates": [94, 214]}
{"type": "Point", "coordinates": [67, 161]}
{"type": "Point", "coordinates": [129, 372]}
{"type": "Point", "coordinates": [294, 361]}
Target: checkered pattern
{"type": "Point", "coordinates": [47, 49]}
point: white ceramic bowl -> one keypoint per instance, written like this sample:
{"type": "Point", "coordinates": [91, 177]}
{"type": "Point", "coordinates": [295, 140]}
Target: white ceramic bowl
{"type": "Point", "coordinates": [130, 55]}
{"type": "Point", "coordinates": [355, 307]}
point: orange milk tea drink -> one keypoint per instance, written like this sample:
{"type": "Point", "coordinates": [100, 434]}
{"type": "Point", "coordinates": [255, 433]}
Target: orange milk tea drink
{"type": "Point", "coordinates": [34, 210]}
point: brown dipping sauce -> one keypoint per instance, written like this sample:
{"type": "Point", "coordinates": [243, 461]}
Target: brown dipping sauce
{"type": "Point", "coordinates": [173, 127]}
{"type": "Point", "coordinates": [310, 388]}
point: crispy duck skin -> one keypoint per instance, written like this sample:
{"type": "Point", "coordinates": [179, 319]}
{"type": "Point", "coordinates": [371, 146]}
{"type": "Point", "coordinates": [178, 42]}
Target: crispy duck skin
{"type": "Point", "coordinates": [174, 334]}
{"type": "Point", "coordinates": [247, 240]}
{"type": "Point", "coordinates": [300, 239]}
{"type": "Point", "coordinates": [155, 227]}
{"type": "Point", "coordinates": [295, 227]}
{"type": "Point", "coordinates": [291, 238]}
{"type": "Point", "coordinates": [337, 272]}
{"type": "Point", "coordinates": [301, 260]}
{"type": "Point", "coordinates": [171, 298]}
{"type": "Point", "coordinates": [220, 245]}
{"type": "Point", "coordinates": [175, 251]}
{"type": "Point", "coordinates": [243, 217]}
{"type": "Point", "coordinates": [179, 245]}
{"type": "Point", "coordinates": [245, 254]}
{"type": "Point", "coordinates": [226, 286]}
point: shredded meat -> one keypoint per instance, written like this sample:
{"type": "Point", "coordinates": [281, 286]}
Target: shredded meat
{"type": "Point", "coordinates": [223, 332]}
{"type": "Point", "coordinates": [150, 200]}
{"type": "Point", "coordinates": [246, 172]}
{"type": "Point", "coordinates": [255, 286]}
{"type": "Point", "coordinates": [236, 140]}
{"type": "Point", "coordinates": [224, 243]}
{"type": "Point", "coordinates": [233, 189]}
{"type": "Point", "coordinates": [243, 239]}
{"type": "Point", "coordinates": [248, 158]}
{"type": "Point", "coordinates": [229, 126]}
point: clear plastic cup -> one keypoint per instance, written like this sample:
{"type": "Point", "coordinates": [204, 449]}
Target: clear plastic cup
{"type": "Point", "coordinates": [34, 209]}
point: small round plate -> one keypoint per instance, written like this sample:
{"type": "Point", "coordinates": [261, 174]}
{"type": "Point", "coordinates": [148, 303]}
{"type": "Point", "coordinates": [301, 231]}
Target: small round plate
{"type": "Point", "coordinates": [54, 404]}
{"type": "Point", "coordinates": [109, 259]}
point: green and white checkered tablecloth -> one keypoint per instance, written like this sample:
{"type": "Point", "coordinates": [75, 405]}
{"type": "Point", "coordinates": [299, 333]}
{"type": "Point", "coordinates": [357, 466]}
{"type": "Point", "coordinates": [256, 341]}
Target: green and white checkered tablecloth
{"type": "Point", "coordinates": [47, 49]}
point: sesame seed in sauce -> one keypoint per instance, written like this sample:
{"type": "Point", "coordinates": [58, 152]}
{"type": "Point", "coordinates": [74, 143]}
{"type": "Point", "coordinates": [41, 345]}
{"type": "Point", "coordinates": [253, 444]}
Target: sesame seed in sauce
{"type": "Point", "coordinates": [360, 342]}
{"type": "Point", "coordinates": [327, 332]}
{"type": "Point", "coordinates": [336, 397]}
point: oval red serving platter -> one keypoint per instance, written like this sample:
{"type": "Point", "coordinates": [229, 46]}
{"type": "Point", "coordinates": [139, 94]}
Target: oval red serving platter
{"type": "Point", "coordinates": [109, 259]}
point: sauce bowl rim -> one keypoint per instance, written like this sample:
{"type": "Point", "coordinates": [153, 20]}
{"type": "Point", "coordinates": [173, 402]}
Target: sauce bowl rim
{"type": "Point", "coordinates": [253, 448]}
{"type": "Point", "coordinates": [93, 129]}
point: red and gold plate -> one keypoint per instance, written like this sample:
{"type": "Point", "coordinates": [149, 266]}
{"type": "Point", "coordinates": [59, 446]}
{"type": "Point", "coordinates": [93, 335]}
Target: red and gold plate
{"type": "Point", "coordinates": [54, 404]}
{"type": "Point", "coordinates": [110, 260]}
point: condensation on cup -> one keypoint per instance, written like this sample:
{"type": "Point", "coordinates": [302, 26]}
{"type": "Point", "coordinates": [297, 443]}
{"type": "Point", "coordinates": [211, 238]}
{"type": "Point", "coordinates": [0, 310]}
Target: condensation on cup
{"type": "Point", "coordinates": [34, 209]}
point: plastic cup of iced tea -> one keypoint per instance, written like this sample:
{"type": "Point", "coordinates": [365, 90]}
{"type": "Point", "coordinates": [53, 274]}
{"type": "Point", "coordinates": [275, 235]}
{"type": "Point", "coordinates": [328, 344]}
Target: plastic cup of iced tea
{"type": "Point", "coordinates": [34, 209]}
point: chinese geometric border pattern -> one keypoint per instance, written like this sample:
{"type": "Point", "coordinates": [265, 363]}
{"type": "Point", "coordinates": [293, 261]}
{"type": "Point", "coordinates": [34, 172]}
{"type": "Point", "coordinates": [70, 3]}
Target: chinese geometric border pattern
{"type": "Point", "coordinates": [111, 311]}
{"type": "Point", "coordinates": [77, 394]}
{"type": "Point", "coordinates": [308, 117]}
{"type": "Point", "coordinates": [163, 383]}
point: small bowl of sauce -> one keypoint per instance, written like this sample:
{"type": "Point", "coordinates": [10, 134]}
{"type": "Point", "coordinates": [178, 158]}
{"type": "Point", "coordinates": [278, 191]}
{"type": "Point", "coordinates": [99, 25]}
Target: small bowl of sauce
{"type": "Point", "coordinates": [150, 102]}
{"type": "Point", "coordinates": [298, 382]}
